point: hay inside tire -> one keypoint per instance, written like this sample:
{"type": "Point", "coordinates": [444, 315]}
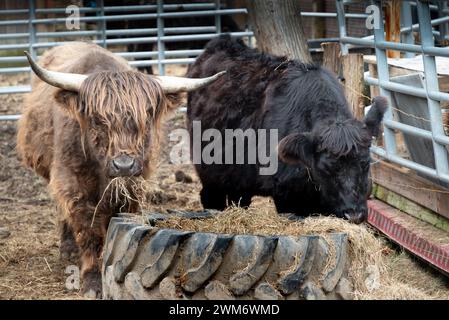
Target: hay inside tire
{"type": "Point", "coordinates": [142, 261]}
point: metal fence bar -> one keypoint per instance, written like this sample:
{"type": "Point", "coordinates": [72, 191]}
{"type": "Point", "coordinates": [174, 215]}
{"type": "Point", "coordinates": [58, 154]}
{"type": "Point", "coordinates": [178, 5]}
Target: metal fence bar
{"type": "Point", "coordinates": [409, 164]}
{"type": "Point", "coordinates": [175, 38]}
{"type": "Point", "coordinates": [144, 16]}
{"type": "Point", "coordinates": [7, 117]}
{"type": "Point", "coordinates": [431, 79]}
{"type": "Point", "coordinates": [140, 54]}
{"type": "Point", "coordinates": [428, 50]}
{"type": "Point", "coordinates": [383, 73]}
{"type": "Point", "coordinates": [434, 22]}
{"type": "Point", "coordinates": [442, 7]}
{"type": "Point", "coordinates": [218, 17]}
{"type": "Point", "coordinates": [406, 22]}
{"type": "Point", "coordinates": [15, 70]}
{"type": "Point", "coordinates": [168, 53]}
{"type": "Point", "coordinates": [143, 63]}
{"type": "Point", "coordinates": [432, 6]}
{"type": "Point", "coordinates": [167, 7]}
{"type": "Point", "coordinates": [333, 15]}
{"type": "Point", "coordinates": [341, 25]}
{"type": "Point", "coordinates": [160, 35]}
{"type": "Point", "coordinates": [413, 91]}
{"type": "Point", "coordinates": [418, 132]}
{"type": "Point", "coordinates": [32, 34]}
{"type": "Point", "coordinates": [139, 63]}
{"type": "Point", "coordinates": [102, 24]}
{"type": "Point", "coordinates": [115, 32]}
{"type": "Point", "coordinates": [408, 129]}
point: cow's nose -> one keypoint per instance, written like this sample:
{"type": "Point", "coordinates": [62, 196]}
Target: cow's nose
{"type": "Point", "coordinates": [123, 165]}
{"type": "Point", "coordinates": [356, 217]}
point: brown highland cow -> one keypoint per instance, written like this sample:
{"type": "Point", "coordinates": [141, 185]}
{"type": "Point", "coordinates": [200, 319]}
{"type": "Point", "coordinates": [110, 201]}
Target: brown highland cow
{"type": "Point", "coordinates": [91, 118]}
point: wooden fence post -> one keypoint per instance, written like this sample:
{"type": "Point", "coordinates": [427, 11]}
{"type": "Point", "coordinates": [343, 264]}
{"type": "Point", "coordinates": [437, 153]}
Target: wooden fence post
{"type": "Point", "coordinates": [332, 57]}
{"type": "Point", "coordinates": [352, 69]}
{"type": "Point", "coordinates": [393, 25]}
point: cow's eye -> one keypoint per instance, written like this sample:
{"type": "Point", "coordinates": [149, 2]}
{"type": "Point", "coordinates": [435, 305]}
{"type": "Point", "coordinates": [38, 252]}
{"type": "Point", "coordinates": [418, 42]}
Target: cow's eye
{"type": "Point", "coordinates": [328, 165]}
{"type": "Point", "coordinates": [365, 165]}
{"type": "Point", "coordinates": [97, 122]}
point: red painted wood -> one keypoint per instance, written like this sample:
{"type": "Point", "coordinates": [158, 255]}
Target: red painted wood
{"type": "Point", "coordinates": [383, 217]}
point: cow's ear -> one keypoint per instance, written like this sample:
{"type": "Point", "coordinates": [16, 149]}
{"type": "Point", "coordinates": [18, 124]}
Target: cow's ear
{"type": "Point", "coordinates": [174, 100]}
{"type": "Point", "coordinates": [165, 105]}
{"type": "Point", "coordinates": [375, 115]}
{"type": "Point", "coordinates": [67, 100]}
{"type": "Point", "coordinates": [296, 148]}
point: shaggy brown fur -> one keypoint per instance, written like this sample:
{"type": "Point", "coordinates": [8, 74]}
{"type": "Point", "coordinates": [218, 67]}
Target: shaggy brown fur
{"type": "Point", "coordinates": [69, 138]}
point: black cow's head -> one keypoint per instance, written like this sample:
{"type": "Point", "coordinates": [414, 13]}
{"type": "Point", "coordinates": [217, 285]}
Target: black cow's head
{"type": "Point", "coordinates": [337, 155]}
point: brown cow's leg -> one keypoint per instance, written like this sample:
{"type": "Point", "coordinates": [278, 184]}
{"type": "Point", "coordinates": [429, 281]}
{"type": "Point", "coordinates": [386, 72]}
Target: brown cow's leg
{"type": "Point", "coordinates": [88, 222]}
{"type": "Point", "coordinates": [68, 249]}
{"type": "Point", "coordinates": [89, 237]}
{"type": "Point", "coordinates": [75, 195]}
{"type": "Point", "coordinates": [91, 245]}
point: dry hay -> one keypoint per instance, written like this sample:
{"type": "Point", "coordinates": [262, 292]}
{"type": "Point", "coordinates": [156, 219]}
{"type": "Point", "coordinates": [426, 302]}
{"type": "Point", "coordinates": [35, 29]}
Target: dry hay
{"type": "Point", "coordinates": [376, 271]}
{"type": "Point", "coordinates": [122, 191]}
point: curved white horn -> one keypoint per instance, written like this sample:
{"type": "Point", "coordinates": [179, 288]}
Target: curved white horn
{"type": "Point", "coordinates": [180, 84]}
{"type": "Point", "coordinates": [66, 81]}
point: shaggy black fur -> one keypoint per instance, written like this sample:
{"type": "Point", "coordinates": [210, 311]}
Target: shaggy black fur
{"type": "Point", "coordinates": [325, 151]}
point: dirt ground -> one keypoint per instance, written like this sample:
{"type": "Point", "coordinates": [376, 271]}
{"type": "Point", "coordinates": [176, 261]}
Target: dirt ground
{"type": "Point", "coordinates": [29, 256]}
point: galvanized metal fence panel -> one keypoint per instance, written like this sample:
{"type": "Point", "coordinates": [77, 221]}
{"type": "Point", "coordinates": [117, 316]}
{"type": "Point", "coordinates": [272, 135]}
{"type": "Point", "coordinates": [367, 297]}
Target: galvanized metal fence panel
{"type": "Point", "coordinates": [32, 39]}
{"type": "Point", "coordinates": [431, 90]}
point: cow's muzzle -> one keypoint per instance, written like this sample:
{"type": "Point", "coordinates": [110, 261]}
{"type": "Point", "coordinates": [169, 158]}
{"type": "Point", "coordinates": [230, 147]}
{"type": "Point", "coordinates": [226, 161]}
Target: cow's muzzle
{"type": "Point", "coordinates": [124, 166]}
{"type": "Point", "coordinates": [355, 216]}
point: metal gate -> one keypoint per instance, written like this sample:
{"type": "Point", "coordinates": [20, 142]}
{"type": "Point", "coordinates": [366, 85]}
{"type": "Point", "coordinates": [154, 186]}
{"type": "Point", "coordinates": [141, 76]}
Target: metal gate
{"type": "Point", "coordinates": [98, 14]}
{"type": "Point", "coordinates": [430, 89]}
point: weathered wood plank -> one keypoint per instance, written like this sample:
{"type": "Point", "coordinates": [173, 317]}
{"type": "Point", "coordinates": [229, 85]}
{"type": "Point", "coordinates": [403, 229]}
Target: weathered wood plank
{"type": "Point", "coordinates": [409, 185]}
{"type": "Point", "coordinates": [410, 207]}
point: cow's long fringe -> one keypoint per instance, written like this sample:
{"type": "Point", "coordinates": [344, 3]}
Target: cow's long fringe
{"type": "Point", "coordinates": [342, 138]}
{"type": "Point", "coordinates": [125, 103]}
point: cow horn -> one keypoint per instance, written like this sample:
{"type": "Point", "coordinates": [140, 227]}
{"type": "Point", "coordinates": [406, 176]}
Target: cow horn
{"type": "Point", "coordinates": [180, 84]}
{"type": "Point", "coordinates": [66, 81]}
